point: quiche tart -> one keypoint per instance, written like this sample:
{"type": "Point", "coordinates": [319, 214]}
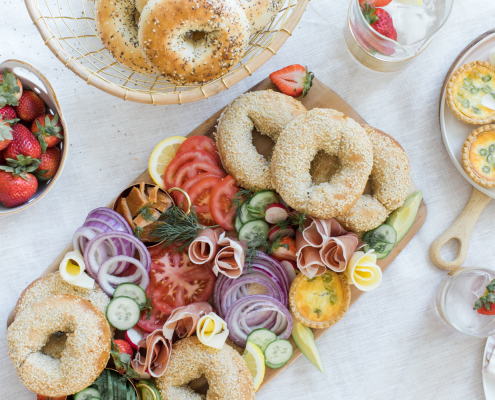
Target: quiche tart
{"type": "Point", "coordinates": [465, 89]}
{"type": "Point", "coordinates": [478, 156]}
{"type": "Point", "coordinates": [321, 301]}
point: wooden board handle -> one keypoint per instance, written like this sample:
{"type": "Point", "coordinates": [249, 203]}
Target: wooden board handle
{"type": "Point", "coordinates": [461, 231]}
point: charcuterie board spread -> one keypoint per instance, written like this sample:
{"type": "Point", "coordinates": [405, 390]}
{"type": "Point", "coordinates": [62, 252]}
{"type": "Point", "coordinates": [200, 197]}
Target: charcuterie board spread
{"type": "Point", "coordinates": [222, 265]}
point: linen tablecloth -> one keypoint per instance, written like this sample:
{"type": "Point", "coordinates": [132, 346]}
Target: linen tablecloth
{"type": "Point", "coordinates": [391, 344]}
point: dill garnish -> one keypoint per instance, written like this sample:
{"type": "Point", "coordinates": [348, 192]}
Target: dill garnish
{"type": "Point", "coordinates": [294, 219]}
{"type": "Point", "coordinates": [176, 227]}
{"type": "Point", "coordinates": [146, 213]}
{"type": "Point", "coordinates": [241, 197]}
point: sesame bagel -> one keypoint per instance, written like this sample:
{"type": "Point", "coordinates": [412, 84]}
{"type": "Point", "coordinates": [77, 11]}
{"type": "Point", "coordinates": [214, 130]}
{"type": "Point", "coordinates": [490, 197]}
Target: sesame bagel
{"type": "Point", "coordinates": [337, 135]}
{"type": "Point", "coordinates": [267, 111]}
{"type": "Point", "coordinates": [117, 28]}
{"type": "Point", "coordinates": [260, 12]}
{"type": "Point", "coordinates": [193, 41]}
{"type": "Point", "coordinates": [87, 347]}
{"type": "Point", "coordinates": [390, 179]}
{"type": "Point", "coordinates": [227, 373]}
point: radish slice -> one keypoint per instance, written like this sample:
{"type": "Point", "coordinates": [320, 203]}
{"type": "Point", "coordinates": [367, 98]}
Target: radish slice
{"type": "Point", "coordinates": [276, 212]}
{"type": "Point", "coordinates": [133, 337]}
{"type": "Point", "coordinates": [290, 267]}
{"type": "Point", "coordinates": [274, 232]}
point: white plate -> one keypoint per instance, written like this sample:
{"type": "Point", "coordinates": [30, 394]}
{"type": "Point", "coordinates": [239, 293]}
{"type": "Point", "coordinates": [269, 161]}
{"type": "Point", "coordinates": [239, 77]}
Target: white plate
{"type": "Point", "coordinates": [488, 380]}
{"type": "Point", "coordinates": [454, 131]}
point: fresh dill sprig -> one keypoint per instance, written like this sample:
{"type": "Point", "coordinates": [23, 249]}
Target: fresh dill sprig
{"type": "Point", "coordinates": [147, 306]}
{"type": "Point", "coordinates": [294, 219]}
{"type": "Point", "coordinates": [260, 241]}
{"type": "Point", "coordinates": [177, 227]}
{"type": "Point", "coordinates": [240, 198]}
{"type": "Point", "coordinates": [146, 213]}
{"type": "Point", "coordinates": [138, 231]}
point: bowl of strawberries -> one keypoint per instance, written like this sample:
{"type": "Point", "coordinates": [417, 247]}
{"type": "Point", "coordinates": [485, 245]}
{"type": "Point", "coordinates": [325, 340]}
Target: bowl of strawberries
{"type": "Point", "coordinates": [33, 136]}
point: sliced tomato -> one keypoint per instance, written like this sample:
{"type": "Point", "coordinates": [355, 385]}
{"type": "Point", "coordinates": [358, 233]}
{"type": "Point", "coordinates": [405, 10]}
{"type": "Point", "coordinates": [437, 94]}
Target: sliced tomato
{"type": "Point", "coordinates": [40, 397]}
{"type": "Point", "coordinates": [180, 159]}
{"type": "Point", "coordinates": [200, 198]}
{"type": "Point", "coordinates": [200, 143]}
{"type": "Point", "coordinates": [152, 322]}
{"type": "Point", "coordinates": [175, 281]}
{"type": "Point", "coordinates": [190, 170]}
{"type": "Point", "coordinates": [179, 197]}
{"type": "Point", "coordinates": [221, 204]}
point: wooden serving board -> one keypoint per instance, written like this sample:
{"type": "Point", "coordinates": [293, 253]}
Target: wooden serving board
{"type": "Point", "coordinates": [320, 96]}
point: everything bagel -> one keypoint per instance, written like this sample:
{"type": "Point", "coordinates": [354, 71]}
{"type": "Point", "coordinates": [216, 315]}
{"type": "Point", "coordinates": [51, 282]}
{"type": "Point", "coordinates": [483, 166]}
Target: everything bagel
{"type": "Point", "coordinates": [87, 347]}
{"type": "Point", "coordinates": [337, 135]}
{"type": "Point", "coordinates": [269, 112]}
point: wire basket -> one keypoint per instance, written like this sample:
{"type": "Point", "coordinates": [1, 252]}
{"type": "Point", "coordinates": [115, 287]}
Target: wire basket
{"type": "Point", "coordinates": [68, 29]}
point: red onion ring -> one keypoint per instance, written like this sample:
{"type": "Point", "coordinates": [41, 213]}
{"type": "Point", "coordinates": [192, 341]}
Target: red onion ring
{"type": "Point", "coordinates": [109, 218]}
{"type": "Point", "coordinates": [243, 315]}
{"type": "Point", "coordinates": [108, 282]}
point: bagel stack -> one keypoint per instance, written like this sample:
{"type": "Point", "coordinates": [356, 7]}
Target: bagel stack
{"type": "Point", "coordinates": [186, 41]}
{"type": "Point", "coordinates": [60, 339]}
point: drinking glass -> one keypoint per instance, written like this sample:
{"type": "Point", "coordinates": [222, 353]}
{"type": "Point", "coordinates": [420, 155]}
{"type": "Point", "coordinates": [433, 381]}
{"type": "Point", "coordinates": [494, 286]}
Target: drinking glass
{"type": "Point", "coordinates": [416, 23]}
{"type": "Point", "coordinates": [456, 296]}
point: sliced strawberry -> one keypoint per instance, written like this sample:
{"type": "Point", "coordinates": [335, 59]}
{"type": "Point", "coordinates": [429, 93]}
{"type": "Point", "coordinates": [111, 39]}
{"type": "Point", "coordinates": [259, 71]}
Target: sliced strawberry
{"type": "Point", "coordinates": [293, 80]}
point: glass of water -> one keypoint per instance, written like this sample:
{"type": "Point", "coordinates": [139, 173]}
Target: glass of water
{"type": "Point", "coordinates": [456, 298]}
{"type": "Point", "coordinates": [415, 23]}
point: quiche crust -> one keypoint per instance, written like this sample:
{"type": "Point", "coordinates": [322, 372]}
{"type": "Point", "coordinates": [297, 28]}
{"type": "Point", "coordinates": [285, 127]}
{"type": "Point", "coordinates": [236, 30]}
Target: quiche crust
{"type": "Point", "coordinates": [477, 158]}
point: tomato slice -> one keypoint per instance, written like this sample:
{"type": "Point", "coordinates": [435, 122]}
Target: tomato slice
{"type": "Point", "coordinates": [180, 159]}
{"type": "Point", "coordinates": [152, 322]}
{"type": "Point", "coordinates": [40, 397]}
{"type": "Point", "coordinates": [192, 169]}
{"type": "Point", "coordinates": [179, 197]}
{"type": "Point", "coordinates": [200, 198]}
{"type": "Point", "coordinates": [200, 143]}
{"type": "Point", "coordinates": [221, 204]}
{"type": "Point", "coordinates": [175, 281]}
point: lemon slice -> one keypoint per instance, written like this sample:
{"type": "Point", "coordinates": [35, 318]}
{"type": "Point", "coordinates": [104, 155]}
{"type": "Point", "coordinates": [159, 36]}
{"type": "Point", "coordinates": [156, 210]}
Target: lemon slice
{"type": "Point", "coordinates": [411, 2]}
{"type": "Point", "coordinates": [161, 156]}
{"type": "Point", "coordinates": [255, 361]}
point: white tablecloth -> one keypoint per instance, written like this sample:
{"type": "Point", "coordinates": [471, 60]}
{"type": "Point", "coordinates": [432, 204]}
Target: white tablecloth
{"type": "Point", "coordinates": [391, 344]}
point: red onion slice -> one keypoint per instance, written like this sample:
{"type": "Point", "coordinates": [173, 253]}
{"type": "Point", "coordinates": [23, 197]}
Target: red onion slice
{"type": "Point", "coordinates": [104, 277]}
{"type": "Point", "coordinates": [82, 236]}
{"type": "Point", "coordinates": [243, 315]}
{"type": "Point", "coordinates": [109, 217]}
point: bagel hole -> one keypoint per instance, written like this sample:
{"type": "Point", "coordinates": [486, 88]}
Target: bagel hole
{"type": "Point", "coordinates": [55, 345]}
{"type": "Point", "coordinates": [263, 144]}
{"type": "Point", "coordinates": [449, 250]}
{"type": "Point", "coordinates": [256, 288]}
{"type": "Point", "coordinates": [200, 385]}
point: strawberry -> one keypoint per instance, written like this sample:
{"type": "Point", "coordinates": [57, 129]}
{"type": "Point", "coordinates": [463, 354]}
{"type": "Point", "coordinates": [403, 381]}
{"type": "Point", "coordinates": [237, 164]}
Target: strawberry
{"type": "Point", "coordinates": [10, 89]}
{"type": "Point", "coordinates": [8, 112]}
{"type": "Point", "coordinates": [23, 143]}
{"type": "Point", "coordinates": [486, 304]}
{"type": "Point", "coordinates": [2, 159]}
{"type": "Point", "coordinates": [121, 352]}
{"type": "Point", "coordinates": [49, 164]}
{"type": "Point", "coordinates": [377, 3]}
{"type": "Point", "coordinates": [284, 248]}
{"type": "Point", "coordinates": [293, 80]}
{"type": "Point", "coordinates": [5, 134]}
{"type": "Point", "coordinates": [48, 130]}
{"type": "Point", "coordinates": [17, 184]}
{"type": "Point", "coordinates": [381, 21]}
{"type": "Point", "coordinates": [30, 106]}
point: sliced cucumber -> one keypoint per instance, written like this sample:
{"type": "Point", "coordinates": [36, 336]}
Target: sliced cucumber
{"type": "Point", "coordinates": [131, 290]}
{"type": "Point", "coordinates": [278, 353]}
{"type": "Point", "coordinates": [88, 393]}
{"type": "Point", "coordinates": [123, 313]}
{"type": "Point", "coordinates": [381, 239]}
{"type": "Point", "coordinates": [237, 224]}
{"type": "Point", "coordinates": [262, 337]}
{"type": "Point", "coordinates": [254, 232]}
{"type": "Point", "coordinates": [245, 215]}
{"type": "Point", "coordinates": [260, 201]}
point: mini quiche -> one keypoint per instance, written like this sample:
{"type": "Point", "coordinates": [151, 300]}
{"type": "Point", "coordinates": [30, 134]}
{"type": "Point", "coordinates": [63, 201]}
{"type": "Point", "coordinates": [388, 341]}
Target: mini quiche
{"type": "Point", "coordinates": [321, 301]}
{"type": "Point", "coordinates": [478, 156]}
{"type": "Point", "coordinates": [465, 89]}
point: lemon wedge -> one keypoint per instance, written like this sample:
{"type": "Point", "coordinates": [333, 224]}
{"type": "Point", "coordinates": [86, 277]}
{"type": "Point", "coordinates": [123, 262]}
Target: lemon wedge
{"type": "Point", "coordinates": [161, 156]}
{"type": "Point", "coordinates": [255, 361]}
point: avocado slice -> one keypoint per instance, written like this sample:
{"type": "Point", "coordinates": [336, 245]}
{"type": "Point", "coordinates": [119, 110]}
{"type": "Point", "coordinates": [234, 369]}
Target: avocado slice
{"type": "Point", "coordinates": [403, 218]}
{"type": "Point", "coordinates": [305, 340]}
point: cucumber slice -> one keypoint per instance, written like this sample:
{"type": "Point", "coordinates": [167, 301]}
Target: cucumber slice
{"type": "Point", "coordinates": [381, 239]}
{"type": "Point", "coordinates": [403, 218]}
{"type": "Point", "coordinates": [131, 290]}
{"type": "Point", "coordinates": [237, 224]}
{"type": "Point", "coordinates": [262, 337]}
{"type": "Point", "coordinates": [148, 390]}
{"type": "Point", "coordinates": [260, 201]}
{"type": "Point", "coordinates": [278, 353]}
{"type": "Point", "coordinates": [245, 215]}
{"type": "Point", "coordinates": [254, 232]}
{"type": "Point", "coordinates": [123, 313]}
{"type": "Point", "coordinates": [88, 393]}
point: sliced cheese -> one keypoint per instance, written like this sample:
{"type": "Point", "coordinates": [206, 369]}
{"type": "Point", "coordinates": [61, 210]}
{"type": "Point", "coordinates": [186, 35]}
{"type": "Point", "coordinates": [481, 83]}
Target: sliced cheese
{"type": "Point", "coordinates": [72, 270]}
{"type": "Point", "coordinates": [212, 331]}
{"type": "Point", "coordinates": [363, 272]}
